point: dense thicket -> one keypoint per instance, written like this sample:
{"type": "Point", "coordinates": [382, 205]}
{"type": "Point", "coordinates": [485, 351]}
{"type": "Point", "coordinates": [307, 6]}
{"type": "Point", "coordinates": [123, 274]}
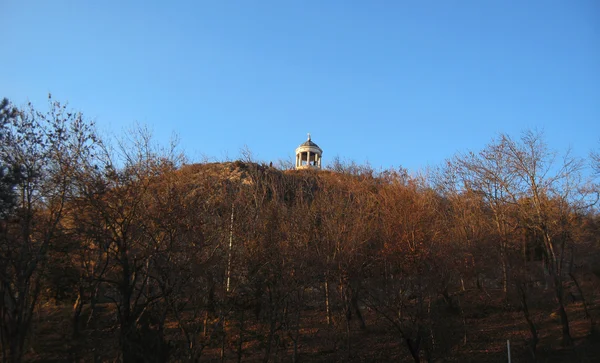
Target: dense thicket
{"type": "Point", "coordinates": [240, 261]}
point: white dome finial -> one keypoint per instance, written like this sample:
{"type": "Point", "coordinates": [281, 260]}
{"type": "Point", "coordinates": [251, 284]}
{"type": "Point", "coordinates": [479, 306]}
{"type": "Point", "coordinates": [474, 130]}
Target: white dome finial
{"type": "Point", "coordinates": [309, 136]}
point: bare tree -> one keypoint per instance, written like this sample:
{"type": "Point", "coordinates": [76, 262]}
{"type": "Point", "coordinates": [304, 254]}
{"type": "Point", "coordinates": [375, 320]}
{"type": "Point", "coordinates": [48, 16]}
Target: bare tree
{"type": "Point", "coordinates": [47, 148]}
{"type": "Point", "coordinates": [487, 174]}
{"type": "Point", "coordinates": [122, 206]}
{"type": "Point", "coordinates": [525, 177]}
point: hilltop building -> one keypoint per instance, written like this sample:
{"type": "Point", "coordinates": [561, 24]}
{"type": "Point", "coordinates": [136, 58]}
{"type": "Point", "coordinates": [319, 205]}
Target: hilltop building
{"type": "Point", "coordinates": [308, 155]}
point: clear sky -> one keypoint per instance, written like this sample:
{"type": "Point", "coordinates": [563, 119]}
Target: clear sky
{"type": "Point", "coordinates": [394, 83]}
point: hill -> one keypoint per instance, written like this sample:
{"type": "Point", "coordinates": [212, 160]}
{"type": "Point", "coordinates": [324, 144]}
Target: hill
{"type": "Point", "coordinates": [241, 261]}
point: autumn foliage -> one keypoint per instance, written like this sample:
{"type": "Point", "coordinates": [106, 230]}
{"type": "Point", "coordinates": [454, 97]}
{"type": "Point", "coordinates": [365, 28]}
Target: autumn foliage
{"type": "Point", "coordinates": [135, 255]}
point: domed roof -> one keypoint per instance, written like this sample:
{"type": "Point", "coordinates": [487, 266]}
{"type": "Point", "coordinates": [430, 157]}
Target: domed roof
{"type": "Point", "coordinates": [309, 143]}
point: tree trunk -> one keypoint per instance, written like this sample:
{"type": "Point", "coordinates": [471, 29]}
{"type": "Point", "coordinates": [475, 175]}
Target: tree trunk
{"type": "Point", "coordinates": [15, 346]}
{"type": "Point", "coordinates": [77, 307]}
{"type": "Point", "coordinates": [354, 303]}
{"type": "Point", "coordinates": [464, 321]}
{"type": "Point", "coordinates": [327, 305]}
{"type": "Point", "coordinates": [504, 270]}
{"type": "Point", "coordinates": [585, 306]}
{"type": "Point", "coordinates": [532, 329]}
{"type": "Point", "coordinates": [414, 348]}
{"type": "Point", "coordinates": [272, 326]}
{"type": "Point", "coordinates": [564, 320]}
{"type": "Point", "coordinates": [240, 337]}
{"type": "Point", "coordinates": [93, 301]}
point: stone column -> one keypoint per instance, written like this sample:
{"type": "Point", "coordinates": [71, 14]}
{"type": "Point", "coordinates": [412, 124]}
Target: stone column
{"type": "Point", "coordinates": [308, 158]}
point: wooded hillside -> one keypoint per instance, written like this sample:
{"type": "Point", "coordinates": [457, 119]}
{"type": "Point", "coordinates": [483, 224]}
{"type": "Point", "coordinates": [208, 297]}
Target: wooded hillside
{"type": "Point", "coordinates": [127, 253]}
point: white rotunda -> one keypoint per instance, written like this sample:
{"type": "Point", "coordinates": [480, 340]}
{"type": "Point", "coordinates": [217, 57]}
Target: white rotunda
{"type": "Point", "coordinates": [308, 155]}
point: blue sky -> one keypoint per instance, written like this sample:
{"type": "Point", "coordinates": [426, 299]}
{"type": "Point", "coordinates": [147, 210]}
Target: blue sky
{"type": "Point", "coordinates": [394, 83]}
